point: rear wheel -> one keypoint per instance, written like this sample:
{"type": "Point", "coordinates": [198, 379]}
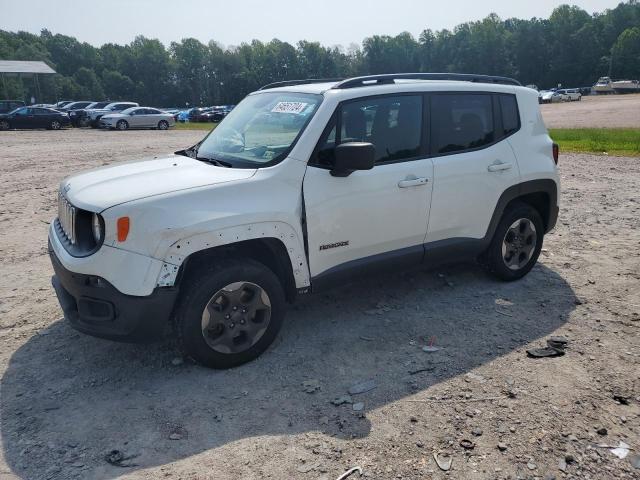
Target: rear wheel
{"type": "Point", "coordinates": [4, 125]}
{"type": "Point", "coordinates": [517, 242]}
{"type": "Point", "coordinates": [122, 125]}
{"type": "Point", "coordinates": [230, 312]}
{"type": "Point", "coordinates": [163, 125]}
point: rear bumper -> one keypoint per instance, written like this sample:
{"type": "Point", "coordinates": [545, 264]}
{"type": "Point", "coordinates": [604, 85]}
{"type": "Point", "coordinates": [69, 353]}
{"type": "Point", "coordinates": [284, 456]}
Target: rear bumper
{"type": "Point", "coordinates": [95, 307]}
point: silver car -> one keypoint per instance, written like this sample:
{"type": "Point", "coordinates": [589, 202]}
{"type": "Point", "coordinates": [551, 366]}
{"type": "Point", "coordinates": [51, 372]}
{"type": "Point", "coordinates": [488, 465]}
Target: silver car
{"type": "Point", "coordinates": [138, 117]}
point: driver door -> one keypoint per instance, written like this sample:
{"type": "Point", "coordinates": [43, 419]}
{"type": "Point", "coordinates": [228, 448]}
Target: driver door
{"type": "Point", "coordinates": [376, 217]}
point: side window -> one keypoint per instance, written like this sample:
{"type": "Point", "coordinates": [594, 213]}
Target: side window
{"type": "Point", "coordinates": [510, 115]}
{"type": "Point", "coordinates": [22, 111]}
{"type": "Point", "coordinates": [392, 124]}
{"type": "Point", "coordinates": [461, 122]}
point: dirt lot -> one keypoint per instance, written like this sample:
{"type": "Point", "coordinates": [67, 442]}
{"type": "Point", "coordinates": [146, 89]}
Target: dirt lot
{"type": "Point", "coordinates": [598, 111]}
{"type": "Point", "coordinates": [67, 399]}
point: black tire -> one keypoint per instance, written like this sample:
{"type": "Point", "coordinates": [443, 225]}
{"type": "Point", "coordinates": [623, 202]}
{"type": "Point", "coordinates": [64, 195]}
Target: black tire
{"type": "Point", "coordinates": [202, 286]}
{"type": "Point", "coordinates": [163, 125]}
{"type": "Point", "coordinates": [122, 125]}
{"type": "Point", "coordinates": [55, 125]}
{"type": "Point", "coordinates": [495, 259]}
{"type": "Point", "coordinates": [5, 125]}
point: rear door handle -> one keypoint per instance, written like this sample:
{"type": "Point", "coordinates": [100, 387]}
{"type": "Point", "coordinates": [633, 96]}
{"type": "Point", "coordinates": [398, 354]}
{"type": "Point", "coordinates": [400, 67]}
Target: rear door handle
{"type": "Point", "coordinates": [496, 167]}
{"type": "Point", "coordinates": [413, 182]}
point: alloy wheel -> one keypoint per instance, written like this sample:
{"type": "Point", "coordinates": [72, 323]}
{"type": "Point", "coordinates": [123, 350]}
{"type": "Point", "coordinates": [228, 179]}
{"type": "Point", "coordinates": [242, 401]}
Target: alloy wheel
{"type": "Point", "coordinates": [519, 244]}
{"type": "Point", "coordinates": [236, 317]}
{"type": "Point", "coordinates": [55, 125]}
{"type": "Point", "coordinates": [4, 125]}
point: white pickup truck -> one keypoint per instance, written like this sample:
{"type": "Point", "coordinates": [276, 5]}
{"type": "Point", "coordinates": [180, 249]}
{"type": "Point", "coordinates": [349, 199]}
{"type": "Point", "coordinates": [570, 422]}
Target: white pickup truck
{"type": "Point", "coordinates": [303, 186]}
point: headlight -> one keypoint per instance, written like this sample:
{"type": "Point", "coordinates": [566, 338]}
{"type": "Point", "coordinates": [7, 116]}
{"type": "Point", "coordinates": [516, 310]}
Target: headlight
{"type": "Point", "coordinates": [97, 227]}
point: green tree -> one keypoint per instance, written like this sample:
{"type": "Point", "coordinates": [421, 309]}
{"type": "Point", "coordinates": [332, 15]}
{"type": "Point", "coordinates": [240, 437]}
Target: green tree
{"type": "Point", "coordinates": [626, 54]}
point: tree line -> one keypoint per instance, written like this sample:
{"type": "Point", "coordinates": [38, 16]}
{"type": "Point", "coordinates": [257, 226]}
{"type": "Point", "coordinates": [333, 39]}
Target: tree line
{"type": "Point", "coordinates": [571, 47]}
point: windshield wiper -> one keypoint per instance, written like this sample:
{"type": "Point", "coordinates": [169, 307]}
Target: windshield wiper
{"type": "Point", "coordinates": [213, 161]}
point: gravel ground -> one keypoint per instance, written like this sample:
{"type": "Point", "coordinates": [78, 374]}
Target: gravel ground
{"type": "Point", "coordinates": [67, 400]}
{"type": "Point", "coordinates": [595, 111]}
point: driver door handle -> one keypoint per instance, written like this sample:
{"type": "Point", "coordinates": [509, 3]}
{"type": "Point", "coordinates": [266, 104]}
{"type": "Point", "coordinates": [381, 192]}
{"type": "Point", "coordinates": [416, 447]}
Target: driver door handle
{"type": "Point", "coordinates": [499, 166]}
{"type": "Point", "coordinates": [413, 182]}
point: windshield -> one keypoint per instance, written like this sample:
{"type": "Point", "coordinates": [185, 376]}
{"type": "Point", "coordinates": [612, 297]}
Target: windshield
{"type": "Point", "coordinates": [127, 111]}
{"type": "Point", "coordinates": [261, 129]}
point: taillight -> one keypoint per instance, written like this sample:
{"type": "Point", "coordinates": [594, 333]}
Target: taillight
{"type": "Point", "coordinates": [556, 152]}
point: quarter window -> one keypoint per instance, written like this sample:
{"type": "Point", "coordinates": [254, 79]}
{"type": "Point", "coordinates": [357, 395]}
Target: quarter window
{"type": "Point", "coordinates": [510, 116]}
{"type": "Point", "coordinates": [461, 122]}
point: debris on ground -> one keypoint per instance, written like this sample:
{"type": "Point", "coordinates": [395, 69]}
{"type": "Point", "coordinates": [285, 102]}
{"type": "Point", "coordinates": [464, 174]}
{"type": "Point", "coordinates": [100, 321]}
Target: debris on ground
{"type": "Point", "coordinates": [467, 444]}
{"type": "Point", "coordinates": [555, 348]}
{"type": "Point", "coordinates": [621, 451]}
{"type": "Point", "coordinates": [311, 386]}
{"type": "Point", "coordinates": [119, 459]}
{"type": "Point", "coordinates": [362, 387]}
{"type": "Point", "coordinates": [342, 400]}
{"type": "Point", "coordinates": [443, 460]}
{"type": "Point", "coordinates": [350, 472]}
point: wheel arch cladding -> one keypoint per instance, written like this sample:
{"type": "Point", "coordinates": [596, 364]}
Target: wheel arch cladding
{"type": "Point", "coordinates": [540, 194]}
{"type": "Point", "coordinates": [274, 244]}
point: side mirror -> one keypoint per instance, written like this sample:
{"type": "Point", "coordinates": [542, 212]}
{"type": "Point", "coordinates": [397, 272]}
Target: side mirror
{"type": "Point", "coordinates": [352, 156]}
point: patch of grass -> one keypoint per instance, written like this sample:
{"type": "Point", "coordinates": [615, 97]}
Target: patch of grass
{"type": "Point", "coordinates": [613, 141]}
{"type": "Point", "coordinates": [195, 126]}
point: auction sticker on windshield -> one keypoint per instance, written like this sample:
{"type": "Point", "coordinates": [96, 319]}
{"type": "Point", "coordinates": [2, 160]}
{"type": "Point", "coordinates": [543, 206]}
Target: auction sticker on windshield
{"type": "Point", "coordinates": [289, 107]}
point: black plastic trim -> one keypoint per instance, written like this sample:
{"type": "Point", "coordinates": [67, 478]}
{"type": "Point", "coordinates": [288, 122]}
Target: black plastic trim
{"type": "Point", "coordinates": [386, 79]}
{"type": "Point", "coordinates": [433, 254]}
{"type": "Point", "coordinates": [95, 307]}
{"type": "Point", "coordinates": [387, 261]}
{"type": "Point", "coordinates": [291, 83]}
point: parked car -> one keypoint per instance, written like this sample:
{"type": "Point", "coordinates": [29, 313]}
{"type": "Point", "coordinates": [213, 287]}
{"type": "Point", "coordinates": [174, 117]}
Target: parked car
{"type": "Point", "coordinates": [34, 117]}
{"type": "Point", "coordinates": [95, 114]}
{"type": "Point", "coordinates": [73, 108]}
{"type": "Point", "coordinates": [183, 115]}
{"type": "Point", "coordinates": [221, 235]}
{"type": "Point", "coordinates": [199, 114]}
{"type": "Point", "coordinates": [7, 106]}
{"type": "Point", "coordinates": [216, 114]}
{"type": "Point", "coordinates": [80, 118]}
{"type": "Point", "coordinates": [138, 117]}
{"type": "Point", "coordinates": [61, 104]}
{"type": "Point", "coordinates": [571, 94]}
{"type": "Point", "coordinates": [550, 96]}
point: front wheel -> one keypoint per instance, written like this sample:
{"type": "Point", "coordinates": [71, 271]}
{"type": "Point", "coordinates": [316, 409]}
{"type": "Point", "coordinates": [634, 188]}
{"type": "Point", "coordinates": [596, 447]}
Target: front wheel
{"type": "Point", "coordinates": [516, 243]}
{"type": "Point", "coordinates": [55, 125]}
{"type": "Point", "coordinates": [163, 125]}
{"type": "Point", "coordinates": [229, 313]}
{"type": "Point", "coordinates": [122, 125]}
{"type": "Point", "coordinates": [4, 125]}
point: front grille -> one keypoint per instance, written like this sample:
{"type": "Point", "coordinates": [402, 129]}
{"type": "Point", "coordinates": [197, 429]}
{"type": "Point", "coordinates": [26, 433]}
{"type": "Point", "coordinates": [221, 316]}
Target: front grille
{"type": "Point", "coordinates": [67, 218]}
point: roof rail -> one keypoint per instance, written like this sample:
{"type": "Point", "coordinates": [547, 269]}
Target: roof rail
{"type": "Point", "coordinates": [289, 83]}
{"type": "Point", "coordinates": [392, 77]}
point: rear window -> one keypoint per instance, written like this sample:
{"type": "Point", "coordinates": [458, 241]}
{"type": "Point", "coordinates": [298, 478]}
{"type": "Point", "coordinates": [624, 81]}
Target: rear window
{"type": "Point", "coordinates": [461, 121]}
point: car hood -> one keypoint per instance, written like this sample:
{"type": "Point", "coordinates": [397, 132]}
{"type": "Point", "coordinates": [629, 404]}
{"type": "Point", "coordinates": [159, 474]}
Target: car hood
{"type": "Point", "coordinates": [102, 188]}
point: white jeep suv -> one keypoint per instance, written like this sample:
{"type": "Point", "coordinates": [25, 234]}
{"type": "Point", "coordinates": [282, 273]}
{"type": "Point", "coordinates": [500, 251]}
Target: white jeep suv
{"type": "Point", "coordinates": [305, 185]}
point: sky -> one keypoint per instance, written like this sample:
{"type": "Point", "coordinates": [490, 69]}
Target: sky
{"type": "Point", "coordinates": [331, 22]}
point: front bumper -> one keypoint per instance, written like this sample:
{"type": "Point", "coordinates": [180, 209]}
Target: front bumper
{"type": "Point", "coordinates": [95, 307]}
